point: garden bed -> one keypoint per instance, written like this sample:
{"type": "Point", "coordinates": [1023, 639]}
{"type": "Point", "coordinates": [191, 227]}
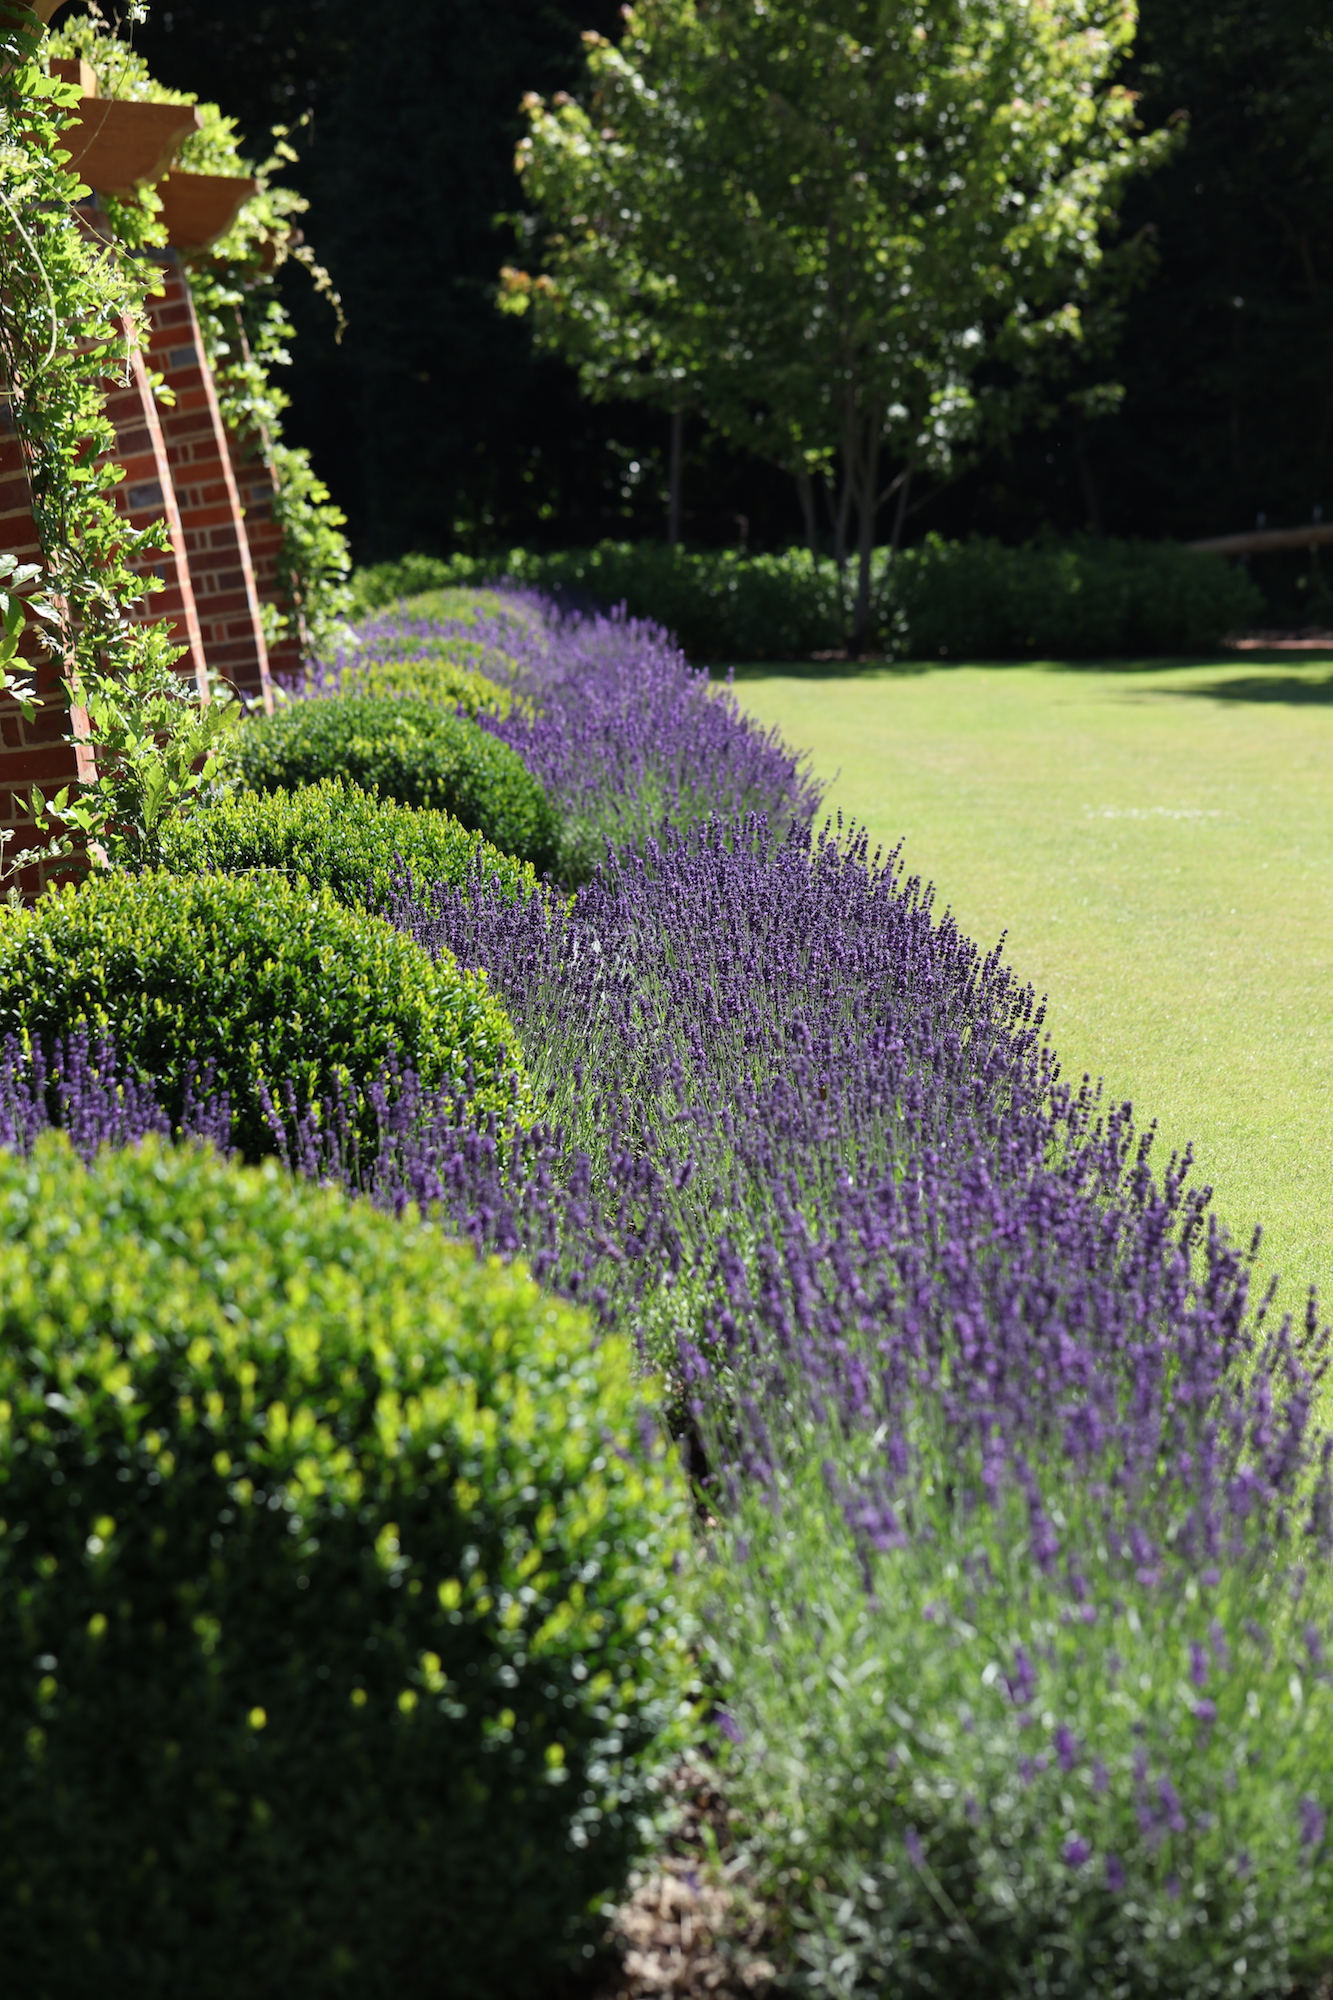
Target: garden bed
{"type": "Point", "coordinates": [1003, 1615]}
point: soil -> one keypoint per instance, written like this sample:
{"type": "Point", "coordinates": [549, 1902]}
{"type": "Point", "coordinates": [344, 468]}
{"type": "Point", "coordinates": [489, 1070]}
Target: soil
{"type": "Point", "coordinates": [691, 1927]}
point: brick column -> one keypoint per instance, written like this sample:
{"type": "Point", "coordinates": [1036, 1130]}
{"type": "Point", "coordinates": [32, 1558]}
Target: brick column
{"type": "Point", "coordinates": [31, 753]}
{"type": "Point", "coordinates": [257, 482]}
{"type": "Point", "coordinates": [146, 494]}
{"type": "Point", "coordinates": [216, 547]}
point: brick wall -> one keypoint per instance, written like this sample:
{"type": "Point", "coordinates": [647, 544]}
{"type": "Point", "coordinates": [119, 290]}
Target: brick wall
{"type": "Point", "coordinates": [256, 481]}
{"type": "Point", "coordinates": [30, 752]}
{"type": "Point", "coordinates": [147, 494]}
{"type": "Point", "coordinates": [214, 530]}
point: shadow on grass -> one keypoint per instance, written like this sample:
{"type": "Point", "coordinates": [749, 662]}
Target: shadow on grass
{"type": "Point", "coordinates": [892, 670]}
{"type": "Point", "coordinates": [816, 670]}
{"type": "Point", "coordinates": [1290, 686]}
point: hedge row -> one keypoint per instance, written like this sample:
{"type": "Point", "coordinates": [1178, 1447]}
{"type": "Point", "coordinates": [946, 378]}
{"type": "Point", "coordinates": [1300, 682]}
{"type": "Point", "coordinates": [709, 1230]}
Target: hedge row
{"type": "Point", "coordinates": [331, 835]}
{"type": "Point", "coordinates": [410, 749]}
{"type": "Point", "coordinates": [341, 1632]}
{"type": "Point", "coordinates": [953, 600]}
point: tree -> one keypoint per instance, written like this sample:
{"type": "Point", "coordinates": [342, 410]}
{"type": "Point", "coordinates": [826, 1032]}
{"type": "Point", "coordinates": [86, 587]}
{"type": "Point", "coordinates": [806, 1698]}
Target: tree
{"type": "Point", "coordinates": [819, 221]}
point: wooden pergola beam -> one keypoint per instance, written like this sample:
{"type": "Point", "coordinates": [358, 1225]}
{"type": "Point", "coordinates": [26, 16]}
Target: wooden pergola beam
{"type": "Point", "coordinates": [116, 145]}
{"type": "Point", "coordinates": [198, 208]}
{"type": "Point", "coordinates": [1258, 541]}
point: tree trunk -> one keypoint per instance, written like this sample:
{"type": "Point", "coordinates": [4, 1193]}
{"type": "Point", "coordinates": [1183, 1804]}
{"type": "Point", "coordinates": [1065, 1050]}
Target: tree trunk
{"type": "Point", "coordinates": [840, 537]}
{"type": "Point", "coordinates": [805, 487]}
{"type": "Point", "coordinates": [900, 511]}
{"type": "Point", "coordinates": [1091, 497]}
{"type": "Point", "coordinates": [673, 478]}
{"type": "Point", "coordinates": [863, 479]}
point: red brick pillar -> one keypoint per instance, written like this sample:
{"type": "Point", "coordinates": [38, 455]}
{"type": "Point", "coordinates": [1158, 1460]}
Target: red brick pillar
{"type": "Point", "coordinates": [146, 494]}
{"type": "Point", "coordinates": [257, 482]}
{"type": "Point", "coordinates": [216, 546]}
{"type": "Point", "coordinates": [31, 753]}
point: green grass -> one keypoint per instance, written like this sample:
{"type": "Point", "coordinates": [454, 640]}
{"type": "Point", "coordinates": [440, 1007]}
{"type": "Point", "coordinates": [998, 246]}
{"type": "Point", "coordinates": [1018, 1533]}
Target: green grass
{"type": "Point", "coordinates": [1157, 842]}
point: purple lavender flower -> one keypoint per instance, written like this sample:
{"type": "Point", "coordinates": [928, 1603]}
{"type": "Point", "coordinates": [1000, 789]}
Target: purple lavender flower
{"type": "Point", "coordinates": [1076, 1851]}
{"type": "Point", "coordinates": [1313, 1822]}
{"type": "Point", "coordinates": [1066, 1748]}
{"type": "Point", "coordinates": [1021, 1680]}
{"type": "Point", "coordinates": [79, 1084]}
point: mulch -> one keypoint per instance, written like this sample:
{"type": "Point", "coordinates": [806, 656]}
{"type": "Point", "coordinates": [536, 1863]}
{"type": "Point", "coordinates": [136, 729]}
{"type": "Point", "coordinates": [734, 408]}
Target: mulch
{"type": "Point", "coordinates": [691, 1927]}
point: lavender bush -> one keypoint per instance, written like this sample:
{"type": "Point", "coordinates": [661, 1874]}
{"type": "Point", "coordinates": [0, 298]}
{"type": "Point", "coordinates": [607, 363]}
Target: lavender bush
{"type": "Point", "coordinates": [1022, 1511]}
{"type": "Point", "coordinates": [624, 735]}
{"type": "Point", "coordinates": [1022, 1598]}
{"type": "Point", "coordinates": [81, 1085]}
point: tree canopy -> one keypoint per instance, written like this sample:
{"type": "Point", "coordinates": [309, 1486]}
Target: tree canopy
{"type": "Point", "coordinates": [821, 220]}
{"type": "Point", "coordinates": [408, 163]}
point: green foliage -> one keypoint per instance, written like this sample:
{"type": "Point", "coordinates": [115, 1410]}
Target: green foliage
{"type": "Point", "coordinates": [246, 329]}
{"type": "Point", "coordinates": [410, 750]}
{"type": "Point", "coordinates": [340, 1626]}
{"type": "Point", "coordinates": [16, 582]}
{"type": "Point", "coordinates": [70, 310]}
{"type": "Point", "coordinates": [247, 984]}
{"type": "Point", "coordinates": [1083, 599]}
{"type": "Point", "coordinates": [379, 585]}
{"type": "Point", "coordinates": [433, 676]}
{"type": "Point", "coordinates": [158, 751]}
{"type": "Point", "coordinates": [905, 1813]}
{"type": "Point", "coordinates": [334, 836]}
{"type": "Point", "coordinates": [816, 224]}
{"type": "Point", "coordinates": [449, 672]}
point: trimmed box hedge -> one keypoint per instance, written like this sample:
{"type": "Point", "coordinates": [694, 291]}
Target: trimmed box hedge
{"type": "Point", "coordinates": [410, 750]}
{"type": "Point", "coordinates": [339, 1628]}
{"type": "Point", "coordinates": [449, 672]}
{"type": "Point", "coordinates": [246, 984]}
{"type": "Point", "coordinates": [335, 836]}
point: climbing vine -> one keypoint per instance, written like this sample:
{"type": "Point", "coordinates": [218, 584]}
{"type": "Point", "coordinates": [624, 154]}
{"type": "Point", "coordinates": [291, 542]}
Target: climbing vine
{"type": "Point", "coordinates": [71, 310]}
{"type": "Point", "coordinates": [244, 325]}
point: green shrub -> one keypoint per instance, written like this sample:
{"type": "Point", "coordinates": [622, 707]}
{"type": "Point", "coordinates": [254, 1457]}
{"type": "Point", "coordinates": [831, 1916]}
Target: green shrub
{"type": "Point", "coordinates": [382, 584]}
{"type": "Point", "coordinates": [450, 672]}
{"type": "Point", "coordinates": [434, 677]}
{"type": "Point", "coordinates": [336, 837]}
{"type": "Point", "coordinates": [410, 750]}
{"type": "Point", "coordinates": [264, 982]}
{"type": "Point", "coordinates": [720, 603]}
{"type": "Point", "coordinates": [340, 1634]}
{"type": "Point", "coordinates": [1081, 599]}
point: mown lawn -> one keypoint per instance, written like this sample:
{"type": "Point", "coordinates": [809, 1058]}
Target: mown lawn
{"type": "Point", "coordinates": [1157, 841]}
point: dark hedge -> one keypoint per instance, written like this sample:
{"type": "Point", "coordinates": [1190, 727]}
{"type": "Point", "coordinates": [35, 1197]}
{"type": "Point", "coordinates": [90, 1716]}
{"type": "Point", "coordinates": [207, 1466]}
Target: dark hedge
{"type": "Point", "coordinates": [978, 600]}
